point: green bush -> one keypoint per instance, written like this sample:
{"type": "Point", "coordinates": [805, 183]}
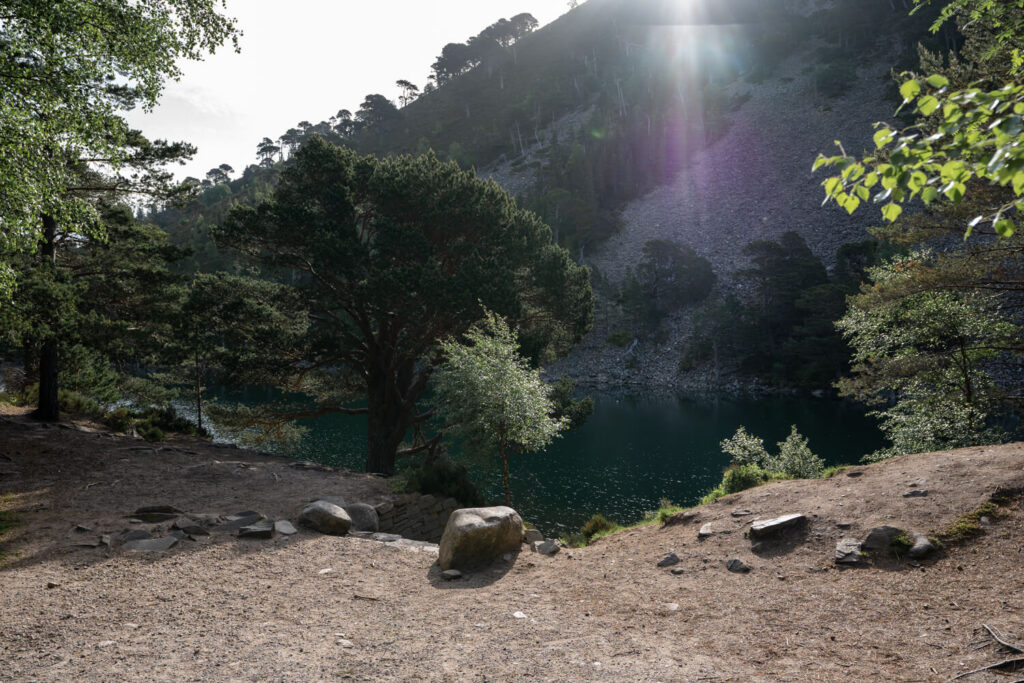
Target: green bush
{"type": "Point", "coordinates": [439, 476]}
{"type": "Point", "coordinates": [794, 459]}
{"type": "Point", "coordinates": [743, 477]}
{"type": "Point", "coordinates": [738, 478]}
{"type": "Point", "coordinates": [150, 432]}
{"type": "Point", "coordinates": [596, 525]}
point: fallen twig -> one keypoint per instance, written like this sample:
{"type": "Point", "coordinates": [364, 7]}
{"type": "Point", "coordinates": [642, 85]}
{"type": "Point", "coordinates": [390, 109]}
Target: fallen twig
{"type": "Point", "coordinates": [1010, 646]}
{"type": "Point", "coordinates": [998, 665]}
{"type": "Point", "coordinates": [1013, 647]}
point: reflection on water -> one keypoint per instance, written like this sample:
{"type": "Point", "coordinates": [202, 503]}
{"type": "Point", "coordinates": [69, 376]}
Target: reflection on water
{"type": "Point", "coordinates": [631, 453]}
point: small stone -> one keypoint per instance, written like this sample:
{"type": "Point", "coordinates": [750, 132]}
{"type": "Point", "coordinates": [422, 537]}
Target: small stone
{"type": "Point", "coordinates": [741, 513]}
{"type": "Point", "coordinates": [767, 527]}
{"type": "Point", "coordinates": [105, 643]}
{"type": "Point", "coordinates": [325, 571]}
{"type": "Point", "coordinates": [325, 517]}
{"type": "Point", "coordinates": [451, 574]}
{"type": "Point", "coordinates": [262, 529]}
{"type": "Point", "coordinates": [984, 521]}
{"type": "Point", "coordinates": [548, 547]}
{"type": "Point", "coordinates": [705, 531]}
{"type": "Point", "coordinates": [346, 643]}
{"type": "Point", "coordinates": [136, 535]}
{"type": "Point", "coordinates": [672, 606]}
{"type": "Point", "coordinates": [283, 526]}
{"type": "Point", "coordinates": [518, 615]}
{"type": "Point", "coordinates": [508, 557]}
{"type": "Point", "coordinates": [881, 537]}
{"type": "Point", "coordinates": [51, 585]}
{"type": "Point", "coordinates": [236, 522]}
{"type": "Point", "coordinates": [844, 525]}
{"type": "Point", "coordinates": [854, 473]}
{"type": "Point", "coordinates": [916, 493]}
{"type": "Point", "coordinates": [82, 528]}
{"type": "Point", "coordinates": [678, 570]}
{"type": "Point", "coordinates": [737, 566]}
{"type": "Point", "coordinates": [669, 560]}
{"type": "Point", "coordinates": [385, 538]}
{"type": "Point", "coordinates": [922, 547]}
{"type": "Point", "coordinates": [848, 551]}
{"type": "Point", "coordinates": [531, 536]}
{"type": "Point", "coordinates": [88, 543]}
{"type": "Point", "coordinates": [150, 544]}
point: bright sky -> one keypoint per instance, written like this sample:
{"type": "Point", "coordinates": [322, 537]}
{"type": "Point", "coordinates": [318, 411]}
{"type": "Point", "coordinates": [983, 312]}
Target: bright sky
{"type": "Point", "coordinates": [305, 60]}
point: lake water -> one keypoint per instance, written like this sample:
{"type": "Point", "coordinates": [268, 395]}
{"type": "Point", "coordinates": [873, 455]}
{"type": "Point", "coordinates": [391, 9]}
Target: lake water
{"type": "Point", "coordinates": [631, 453]}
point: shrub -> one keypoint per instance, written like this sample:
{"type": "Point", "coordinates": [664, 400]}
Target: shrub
{"type": "Point", "coordinates": [745, 448]}
{"type": "Point", "coordinates": [596, 525]}
{"type": "Point", "coordinates": [440, 476]}
{"type": "Point", "coordinates": [796, 460]}
{"type": "Point", "coordinates": [743, 477]}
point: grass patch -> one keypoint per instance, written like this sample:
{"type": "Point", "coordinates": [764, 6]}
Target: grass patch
{"type": "Point", "coordinates": [599, 527]}
{"type": "Point", "coordinates": [968, 526]}
{"type": "Point", "coordinates": [832, 471]}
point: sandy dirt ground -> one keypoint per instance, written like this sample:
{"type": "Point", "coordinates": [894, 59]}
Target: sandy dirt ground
{"type": "Point", "coordinates": [309, 607]}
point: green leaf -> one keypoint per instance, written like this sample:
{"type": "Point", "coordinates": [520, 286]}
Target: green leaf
{"type": "Point", "coordinates": [851, 204]}
{"type": "Point", "coordinates": [1018, 182]}
{"type": "Point", "coordinates": [1004, 227]}
{"type": "Point", "coordinates": [832, 185]}
{"type": "Point", "coordinates": [871, 179]}
{"type": "Point", "coordinates": [951, 171]}
{"type": "Point", "coordinates": [928, 194]}
{"type": "Point", "coordinates": [819, 162]}
{"type": "Point", "coordinates": [891, 212]}
{"type": "Point", "coordinates": [955, 192]}
{"type": "Point", "coordinates": [862, 192]}
{"type": "Point", "coordinates": [927, 105]}
{"type": "Point", "coordinates": [883, 137]}
{"type": "Point", "coordinates": [937, 81]}
{"type": "Point", "coordinates": [910, 90]}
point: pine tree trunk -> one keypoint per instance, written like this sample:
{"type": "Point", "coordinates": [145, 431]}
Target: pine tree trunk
{"type": "Point", "coordinates": [387, 424]}
{"type": "Point", "coordinates": [48, 408]}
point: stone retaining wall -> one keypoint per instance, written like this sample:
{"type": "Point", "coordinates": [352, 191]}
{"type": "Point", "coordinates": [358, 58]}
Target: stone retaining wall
{"type": "Point", "coordinates": [415, 516]}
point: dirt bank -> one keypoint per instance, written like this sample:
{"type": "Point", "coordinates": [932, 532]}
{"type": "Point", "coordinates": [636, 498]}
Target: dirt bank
{"type": "Point", "coordinates": [266, 610]}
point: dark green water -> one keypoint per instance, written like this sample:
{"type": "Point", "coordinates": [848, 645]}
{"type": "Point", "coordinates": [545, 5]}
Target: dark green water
{"type": "Point", "coordinates": [631, 453]}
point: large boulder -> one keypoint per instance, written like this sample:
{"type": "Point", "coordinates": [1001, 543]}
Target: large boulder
{"type": "Point", "coordinates": [477, 536]}
{"type": "Point", "coordinates": [327, 518]}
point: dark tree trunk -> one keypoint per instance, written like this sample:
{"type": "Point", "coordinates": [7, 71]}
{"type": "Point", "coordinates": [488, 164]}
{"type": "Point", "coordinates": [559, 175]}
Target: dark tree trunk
{"type": "Point", "coordinates": [49, 405]}
{"type": "Point", "coordinates": [387, 423]}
